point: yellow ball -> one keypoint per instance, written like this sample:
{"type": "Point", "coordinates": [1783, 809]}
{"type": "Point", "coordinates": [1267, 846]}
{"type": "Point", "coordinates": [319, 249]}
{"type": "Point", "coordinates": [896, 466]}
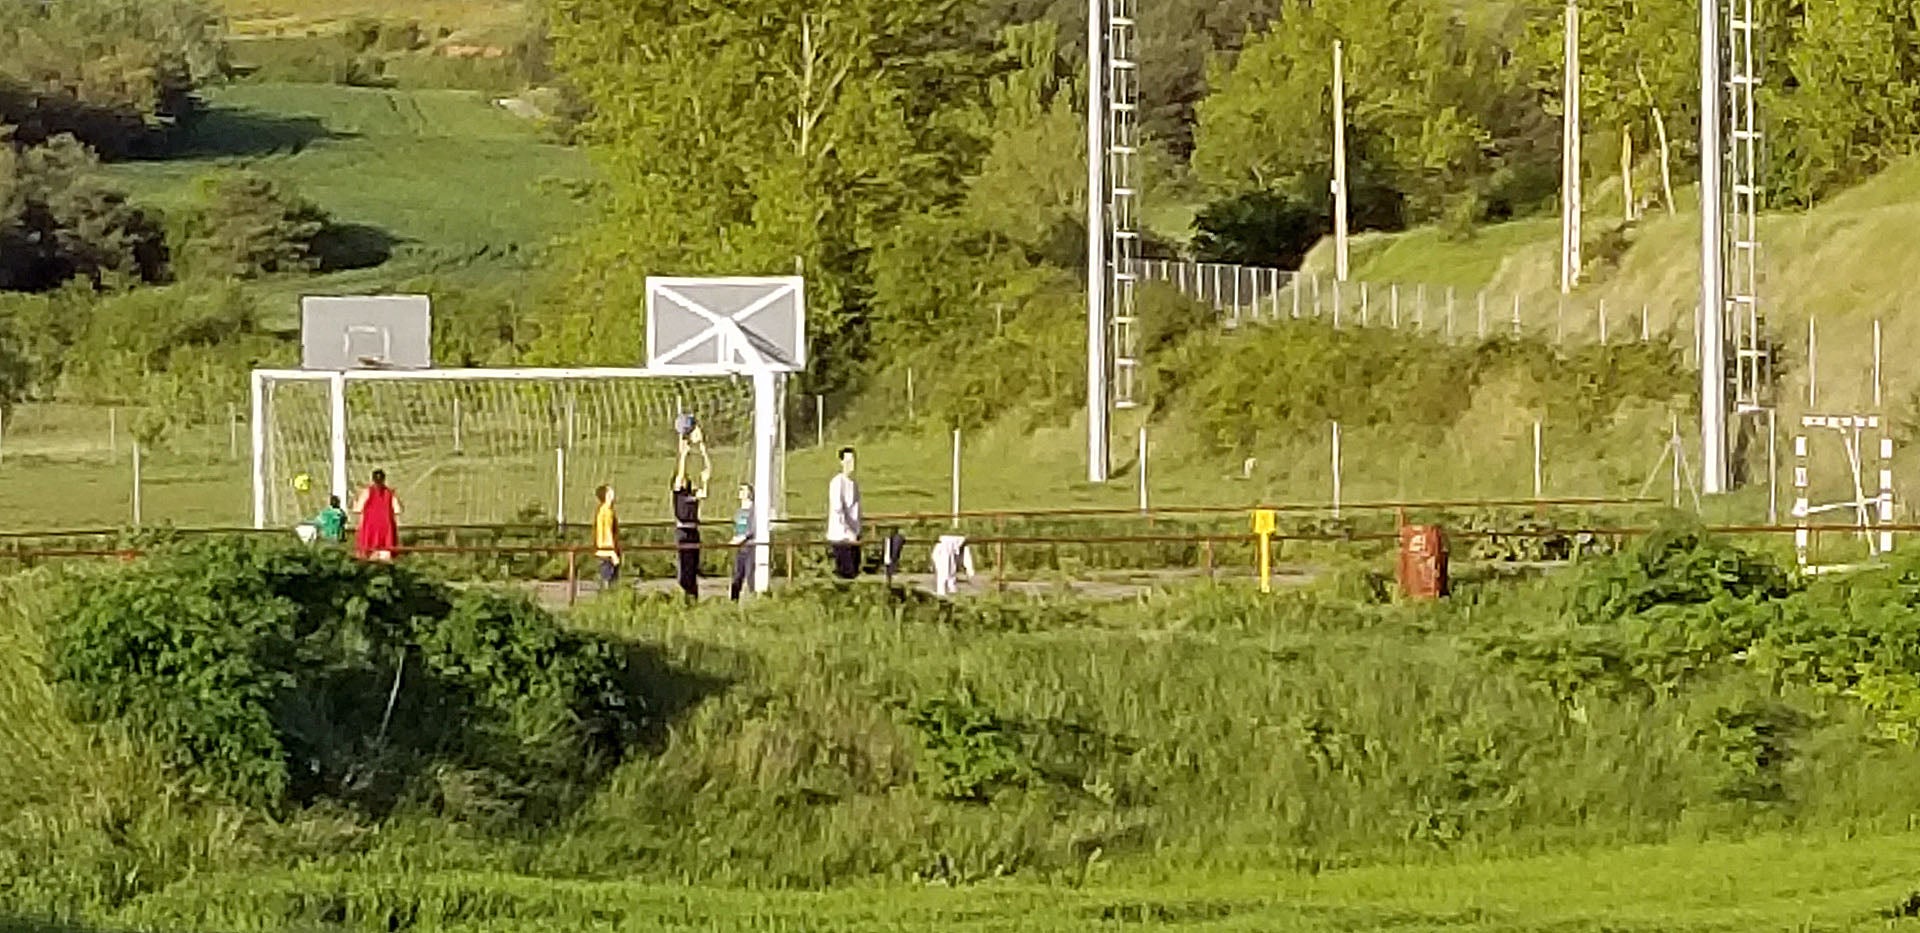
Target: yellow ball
{"type": "Point", "coordinates": [302, 482]}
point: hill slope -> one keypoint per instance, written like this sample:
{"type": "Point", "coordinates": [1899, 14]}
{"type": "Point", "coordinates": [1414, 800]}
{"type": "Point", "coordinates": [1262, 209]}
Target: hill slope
{"type": "Point", "coordinates": [454, 186]}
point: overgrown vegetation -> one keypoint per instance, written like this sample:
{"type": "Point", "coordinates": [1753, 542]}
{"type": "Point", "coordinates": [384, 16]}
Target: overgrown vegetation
{"type": "Point", "coordinates": [1683, 686]}
{"type": "Point", "coordinates": [275, 676]}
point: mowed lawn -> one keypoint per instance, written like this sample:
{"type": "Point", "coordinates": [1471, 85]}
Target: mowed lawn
{"type": "Point", "coordinates": [1771, 883]}
{"type": "Point", "coordinates": [457, 187]}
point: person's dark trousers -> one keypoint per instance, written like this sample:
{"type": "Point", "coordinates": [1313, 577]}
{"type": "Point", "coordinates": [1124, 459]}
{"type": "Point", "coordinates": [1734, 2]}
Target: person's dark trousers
{"type": "Point", "coordinates": [609, 572]}
{"type": "Point", "coordinates": [742, 569]}
{"type": "Point", "coordinates": [846, 560]}
{"type": "Point", "coordinates": [689, 541]}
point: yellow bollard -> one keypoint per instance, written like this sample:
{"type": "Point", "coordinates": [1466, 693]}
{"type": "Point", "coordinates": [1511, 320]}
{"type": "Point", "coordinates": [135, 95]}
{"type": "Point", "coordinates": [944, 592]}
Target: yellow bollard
{"type": "Point", "coordinates": [1264, 523]}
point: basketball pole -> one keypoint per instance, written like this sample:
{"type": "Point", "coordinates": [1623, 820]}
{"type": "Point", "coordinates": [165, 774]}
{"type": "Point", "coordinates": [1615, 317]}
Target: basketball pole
{"type": "Point", "coordinates": [337, 433]}
{"type": "Point", "coordinates": [1097, 412]}
{"type": "Point", "coordinates": [766, 438]}
{"type": "Point", "coordinates": [258, 427]}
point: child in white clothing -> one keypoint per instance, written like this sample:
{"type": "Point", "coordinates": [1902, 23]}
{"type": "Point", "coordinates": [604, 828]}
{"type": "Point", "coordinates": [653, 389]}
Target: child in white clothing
{"type": "Point", "coordinates": [950, 556]}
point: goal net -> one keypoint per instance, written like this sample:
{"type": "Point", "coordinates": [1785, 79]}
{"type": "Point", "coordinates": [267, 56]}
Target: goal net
{"type": "Point", "coordinates": [496, 447]}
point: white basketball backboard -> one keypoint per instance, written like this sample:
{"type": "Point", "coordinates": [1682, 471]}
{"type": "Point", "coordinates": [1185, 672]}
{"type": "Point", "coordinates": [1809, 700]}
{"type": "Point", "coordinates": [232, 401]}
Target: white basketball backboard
{"type": "Point", "coordinates": [730, 324]}
{"type": "Point", "coordinates": [366, 332]}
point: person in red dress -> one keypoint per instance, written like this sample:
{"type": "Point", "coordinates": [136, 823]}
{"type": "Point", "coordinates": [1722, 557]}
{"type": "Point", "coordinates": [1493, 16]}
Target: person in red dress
{"type": "Point", "coordinates": [379, 533]}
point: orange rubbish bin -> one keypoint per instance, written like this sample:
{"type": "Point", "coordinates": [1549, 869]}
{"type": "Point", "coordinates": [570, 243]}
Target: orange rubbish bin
{"type": "Point", "coordinates": [1423, 561]}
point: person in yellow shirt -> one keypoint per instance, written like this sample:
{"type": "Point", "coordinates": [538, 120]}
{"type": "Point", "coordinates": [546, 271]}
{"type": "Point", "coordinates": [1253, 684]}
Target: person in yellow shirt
{"type": "Point", "coordinates": [606, 537]}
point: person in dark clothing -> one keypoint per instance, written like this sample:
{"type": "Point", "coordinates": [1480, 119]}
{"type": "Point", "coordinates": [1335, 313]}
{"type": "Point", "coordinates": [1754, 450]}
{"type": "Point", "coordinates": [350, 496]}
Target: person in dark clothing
{"type": "Point", "coordinates": [686, 514]}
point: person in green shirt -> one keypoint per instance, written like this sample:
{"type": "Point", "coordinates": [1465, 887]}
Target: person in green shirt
{"type": "Point", "coordinates": [331, 523]}
{"type": "Point", "coordinates": [742, 541]}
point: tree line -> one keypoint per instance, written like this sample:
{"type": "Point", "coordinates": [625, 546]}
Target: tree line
{"type": "Point", "coordinates": [921, 162]}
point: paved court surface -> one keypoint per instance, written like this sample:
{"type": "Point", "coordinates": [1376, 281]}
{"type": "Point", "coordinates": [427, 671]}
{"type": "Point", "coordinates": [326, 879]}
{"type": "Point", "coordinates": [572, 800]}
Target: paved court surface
{"type": "Point", "coordinates": [1113, 586]}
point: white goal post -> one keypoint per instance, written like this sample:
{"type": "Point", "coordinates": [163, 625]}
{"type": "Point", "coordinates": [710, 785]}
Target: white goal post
{"type": "Point", "coordinates": [494, 446]}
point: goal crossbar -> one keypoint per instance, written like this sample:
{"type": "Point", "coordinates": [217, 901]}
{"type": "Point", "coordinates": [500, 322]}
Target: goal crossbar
{"type": "Point", "coordinates": [767, 436]}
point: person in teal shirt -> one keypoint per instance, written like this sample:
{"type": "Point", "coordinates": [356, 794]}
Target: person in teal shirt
{"type": "Point", "coordinates": [331, 523]}
{"type": "Point", "coordinates": [742, 541]}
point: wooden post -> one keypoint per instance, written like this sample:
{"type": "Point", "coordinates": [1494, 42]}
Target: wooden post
{"type": "Point", "coordinates": [573, 576]}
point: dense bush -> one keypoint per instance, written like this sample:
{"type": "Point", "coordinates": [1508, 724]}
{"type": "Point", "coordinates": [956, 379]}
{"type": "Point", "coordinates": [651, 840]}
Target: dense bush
{"type": "Point", "coordinates": [119, 74]}
{"type": "Point", "coordinates": [244, 224]}
{"type": "Point", "coordinates": [275, 675]}
{"type": "Point", "coordinates": [1283, 380]}
{"type": "Point", "coordinates": [59, 220]}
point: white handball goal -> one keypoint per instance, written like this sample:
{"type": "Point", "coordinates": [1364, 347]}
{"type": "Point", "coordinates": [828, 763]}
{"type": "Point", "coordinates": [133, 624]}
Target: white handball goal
{"type": "Point", "coordinates": [488, 447]}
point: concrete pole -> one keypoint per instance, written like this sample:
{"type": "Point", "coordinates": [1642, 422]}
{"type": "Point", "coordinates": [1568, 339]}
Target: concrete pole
{"type": "Point", "coordinates": [1336, 469]}
{"type": "Point", "coordinates": [1570, 156]}
{"type": "Point", "coordinates": [1712, 342]}
{"type": "Point", "coordinates": [956, 477]}
{"type": "Point", "coordinates": [1096, 241]}
{"type": "Point", "coordinates": [1143, 471]}
{"type": "Point", "coordinates": [1339, 163]}
{"type": "Point", "coordinates": [136, 484]}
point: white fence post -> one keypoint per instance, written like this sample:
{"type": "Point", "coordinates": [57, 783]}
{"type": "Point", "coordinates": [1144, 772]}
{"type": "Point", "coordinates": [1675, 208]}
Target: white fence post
{"type": "Point", "coordinates": [1143, 470]}
{"type": "Point", "coordinates": [956, 477]}
{"type": "Point", "coordinates": [560, 485]}
{"type": "Point", "coordinates": [819, 421]}
{"type": "Point", "coordinates": [1336, 469]}
{"type": "Point", "coordinates": [136, 484]}
{"type": "Point", "coordinates": [1539, 475]}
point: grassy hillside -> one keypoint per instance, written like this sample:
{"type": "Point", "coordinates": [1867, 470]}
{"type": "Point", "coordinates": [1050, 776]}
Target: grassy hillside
{"type": "Point", "coordinates": [454, 186]}
{"type": "Point", "coordinates": [1839, 263]}
{"type": "Point", "coordinates": [1668, 741]}
{"type": "Point", "coordinates": [256, 18]}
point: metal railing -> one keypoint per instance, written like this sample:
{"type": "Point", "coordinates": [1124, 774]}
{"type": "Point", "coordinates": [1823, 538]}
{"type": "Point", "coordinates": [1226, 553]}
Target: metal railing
{"type": "Point", "coordinates": [1255, 294]}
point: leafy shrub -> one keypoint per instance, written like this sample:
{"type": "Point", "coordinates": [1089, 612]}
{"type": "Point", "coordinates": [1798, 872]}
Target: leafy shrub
{"type": "Point", "coordinates": [969, 753]}
{"type": "Point", "coordinates": [272, 674]}
{"type": "Point", "coordinates": [245, 225]}
{"type": "Point", "coordinates": [1674, 567]}
{"type": "Point", "coordinates": [1262, 228]}
{"type": "Point", "coordinates": [60, 220]}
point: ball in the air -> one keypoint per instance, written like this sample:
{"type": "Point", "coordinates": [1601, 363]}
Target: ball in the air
{"type": "Point", "coordinates": [684, 425]}
{"type": "Point", "coordinates": [302, 482]}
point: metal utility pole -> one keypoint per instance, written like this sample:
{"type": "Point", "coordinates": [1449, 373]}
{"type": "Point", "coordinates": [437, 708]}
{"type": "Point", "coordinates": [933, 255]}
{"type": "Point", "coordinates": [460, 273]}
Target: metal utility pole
{"type": "Point", "coordinates": [1713, 360]}
{"type": "Point", "coordinates": [1123, 214]}
{"type": "Point", "coordinates": [1097, 460]}
{"type": "Point", "coordinates": [1339, 164]}
{"type": "Point", "coordinates": [1570, 157]}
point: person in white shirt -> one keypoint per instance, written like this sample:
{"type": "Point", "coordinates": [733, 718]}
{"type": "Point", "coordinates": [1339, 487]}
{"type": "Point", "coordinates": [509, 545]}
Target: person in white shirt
{"type": "Point", "coordinates": [843, 519]}
{"type": "Point", "coordinates": [950, 556]}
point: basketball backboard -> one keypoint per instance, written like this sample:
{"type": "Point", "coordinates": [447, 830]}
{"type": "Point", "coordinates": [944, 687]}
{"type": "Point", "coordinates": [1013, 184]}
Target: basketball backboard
{"type": "Point", "coordinates": [366, 332]}
{"type": "Point", "coordinates": [732, 324]}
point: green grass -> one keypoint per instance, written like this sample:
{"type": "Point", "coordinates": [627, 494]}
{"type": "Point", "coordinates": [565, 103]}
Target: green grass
{"type": "Point", "coordinates": [1838, 263]}
{"type": "Point", "coordinates": [1203, 759]}
{"type": "Point", "coordinates": [1771, 883]}
{"type": "Point", "coordinates": [251, 18]}
{"type": "Point", "coordinates": [466, 191]}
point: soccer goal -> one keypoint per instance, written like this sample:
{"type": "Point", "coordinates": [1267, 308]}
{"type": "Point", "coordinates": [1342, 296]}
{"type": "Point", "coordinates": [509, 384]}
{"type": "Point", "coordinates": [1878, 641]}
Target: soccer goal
{"type": "Point", "coordinates": [1861, 437]}
{"type": "Point", "coordinates": [525, 445]}
{"type": "Point", "coordinates": [497, 446]}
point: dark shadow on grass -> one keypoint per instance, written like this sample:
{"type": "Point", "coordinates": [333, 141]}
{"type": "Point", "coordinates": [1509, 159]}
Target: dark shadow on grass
{"type": "Point", "coordinates": [220, 132]}
{"type": "Point", "coordinates": [341, 247]}
{"type": "Point", "coordinates": [439, 751]}
{"type": "Point", "coordinates": [29, 925]}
